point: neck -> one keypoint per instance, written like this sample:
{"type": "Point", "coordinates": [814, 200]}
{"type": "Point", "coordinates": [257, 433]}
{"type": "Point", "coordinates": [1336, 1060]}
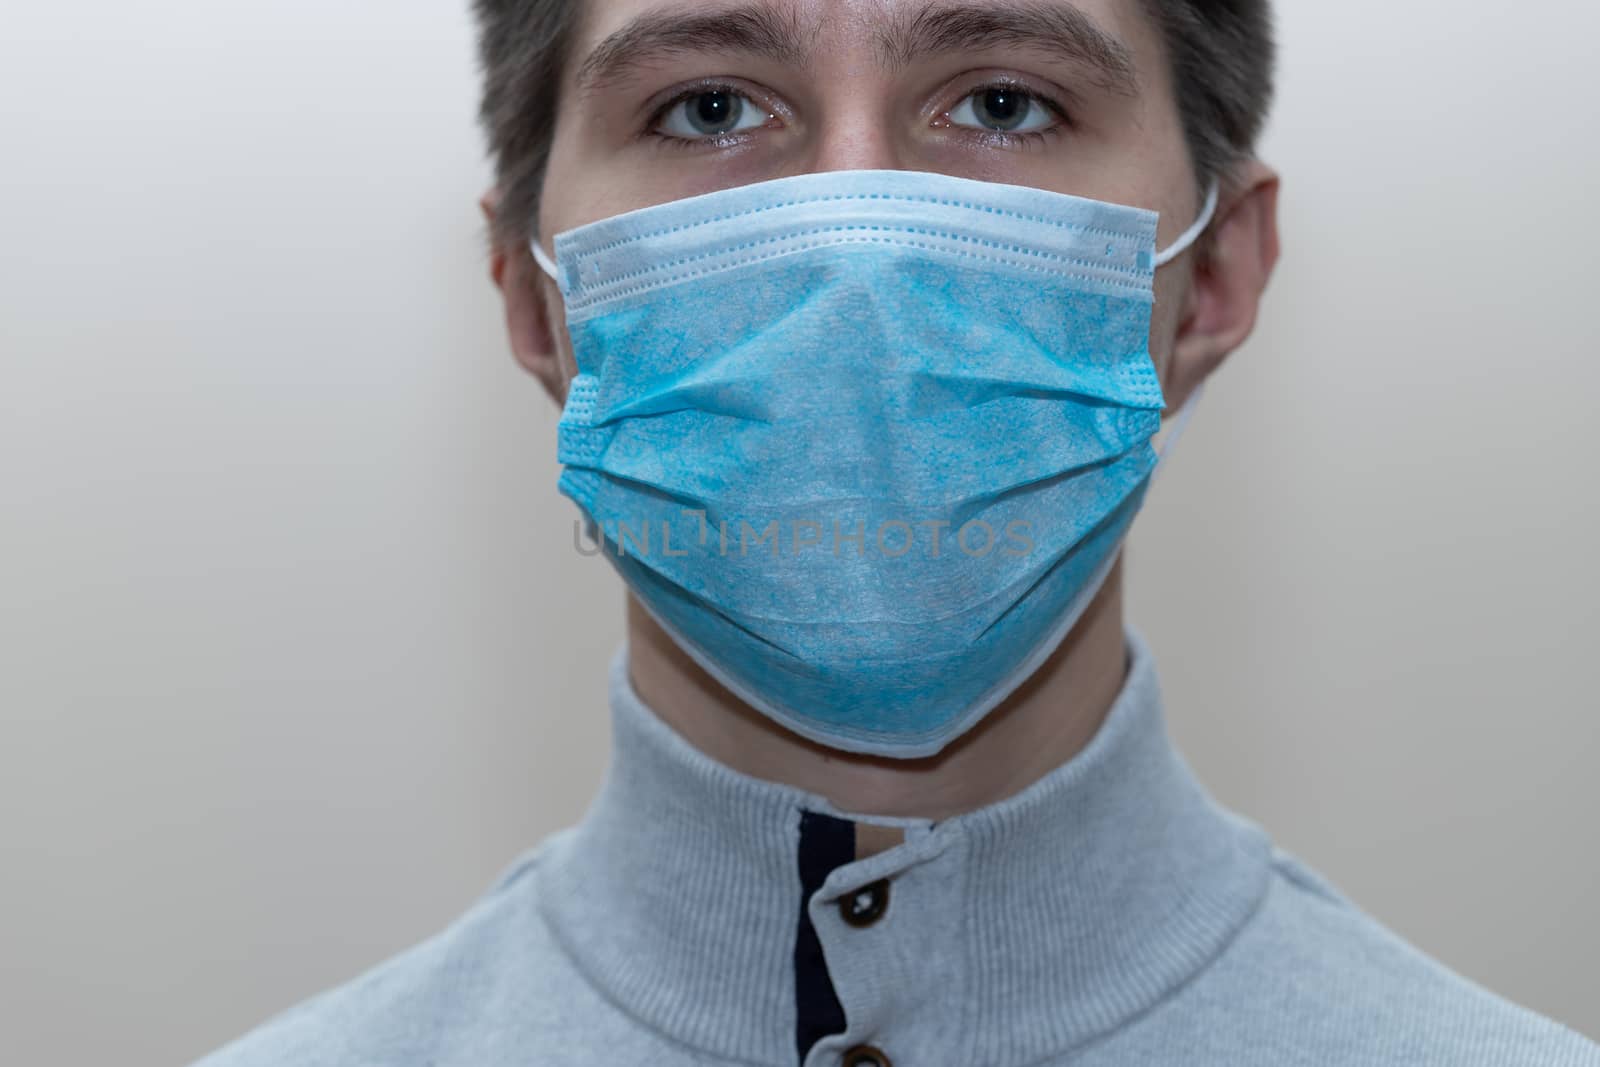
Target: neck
{"type": "Point", "coordinates": [1047, 721]}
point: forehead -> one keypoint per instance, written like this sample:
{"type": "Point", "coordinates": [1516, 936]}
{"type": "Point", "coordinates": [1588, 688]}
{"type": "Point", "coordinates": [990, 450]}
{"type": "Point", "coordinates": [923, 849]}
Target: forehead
{"type": "Point", "coordinates": [813, 32]}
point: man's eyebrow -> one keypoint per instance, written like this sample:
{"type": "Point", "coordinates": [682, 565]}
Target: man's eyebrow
{"type": "Point", "coordinates": [1058, 27]}
{"type": "Point", "coordinates": [756, 30]}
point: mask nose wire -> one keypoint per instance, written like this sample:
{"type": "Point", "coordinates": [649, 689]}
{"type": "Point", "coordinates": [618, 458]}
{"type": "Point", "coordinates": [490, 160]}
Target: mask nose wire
{"type": "Point", "coordinates": [1172, 252]}
{"type": "Point", "coordinates": [1192, 234]}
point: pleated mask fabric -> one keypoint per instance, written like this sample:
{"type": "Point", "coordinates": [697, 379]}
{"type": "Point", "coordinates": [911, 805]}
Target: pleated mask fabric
{"type": "Point", "coordinates": [865, 443]}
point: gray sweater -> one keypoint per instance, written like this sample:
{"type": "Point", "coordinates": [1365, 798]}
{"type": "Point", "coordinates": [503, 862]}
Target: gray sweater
{"type": "Point", "coordinates": [1110, 915]}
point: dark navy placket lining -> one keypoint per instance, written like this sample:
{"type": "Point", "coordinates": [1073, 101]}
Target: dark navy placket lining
{"type": "Point", "coordinates": [826, 842]}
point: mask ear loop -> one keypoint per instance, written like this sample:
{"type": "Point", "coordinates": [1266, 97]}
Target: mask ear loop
{"type": "Point", "coordinates": [1192, 234]}
{"type": "Point", "coordinates": [1180, 421]}
{"type": "Point", "coordinates": [545, 262]}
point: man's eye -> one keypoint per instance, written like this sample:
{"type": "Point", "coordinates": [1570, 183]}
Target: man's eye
{"type": "Point", "coordinates": [711, 113]}
{"type": "Point", "coordinates": [1003, 109]}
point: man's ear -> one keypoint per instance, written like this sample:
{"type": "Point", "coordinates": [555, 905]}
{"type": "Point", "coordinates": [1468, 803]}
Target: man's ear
{"type": "Point", "coordinates": [527, 293]}
{"type": "Point", "coordinates": [1230, 276]}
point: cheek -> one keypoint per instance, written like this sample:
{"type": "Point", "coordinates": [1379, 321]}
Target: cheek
{"type": "Point", "coordinates": [1164, 321]}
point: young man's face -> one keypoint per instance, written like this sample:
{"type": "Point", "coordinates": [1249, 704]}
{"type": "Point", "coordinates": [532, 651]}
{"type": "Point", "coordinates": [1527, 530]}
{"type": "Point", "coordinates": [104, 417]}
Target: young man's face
{"type": "Point", "coordinates": [664, 99]}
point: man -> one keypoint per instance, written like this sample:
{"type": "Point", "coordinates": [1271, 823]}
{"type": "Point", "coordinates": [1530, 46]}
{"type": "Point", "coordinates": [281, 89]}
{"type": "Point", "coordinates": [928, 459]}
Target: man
{"type": "Point", "coordinates": [863, 318]}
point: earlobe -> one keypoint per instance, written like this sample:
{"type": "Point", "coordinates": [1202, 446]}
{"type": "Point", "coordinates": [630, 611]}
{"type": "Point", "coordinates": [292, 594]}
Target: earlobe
{"type": "Point", "coordinates": [530, 320]}
{"type": "Point", "coordinates": [1228, 282]}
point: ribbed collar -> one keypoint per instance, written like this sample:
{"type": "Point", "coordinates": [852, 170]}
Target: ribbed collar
{"type": "Point", "coordinates": [1014, 933]}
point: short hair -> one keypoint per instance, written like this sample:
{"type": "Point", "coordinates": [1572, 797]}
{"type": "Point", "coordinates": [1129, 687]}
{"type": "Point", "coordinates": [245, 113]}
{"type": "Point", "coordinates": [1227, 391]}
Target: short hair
{"type": "Point", "coordinates": [1221, 54]}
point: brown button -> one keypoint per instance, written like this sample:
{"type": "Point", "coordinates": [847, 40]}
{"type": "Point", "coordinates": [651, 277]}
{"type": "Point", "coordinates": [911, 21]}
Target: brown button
{"type": "Point", "coordinates": [866, 905]}
{"type": "Point", "coordinates": [866, 1056]}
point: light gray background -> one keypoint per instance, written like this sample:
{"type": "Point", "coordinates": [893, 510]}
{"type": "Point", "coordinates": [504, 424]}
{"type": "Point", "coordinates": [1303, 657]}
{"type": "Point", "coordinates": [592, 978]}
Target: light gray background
{"type": "Point", "coordinates": [297, 656]}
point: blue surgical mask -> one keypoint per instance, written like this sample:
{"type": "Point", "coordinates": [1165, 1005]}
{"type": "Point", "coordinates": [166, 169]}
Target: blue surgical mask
{"type": "Point", "coordinates": [864, 443]}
